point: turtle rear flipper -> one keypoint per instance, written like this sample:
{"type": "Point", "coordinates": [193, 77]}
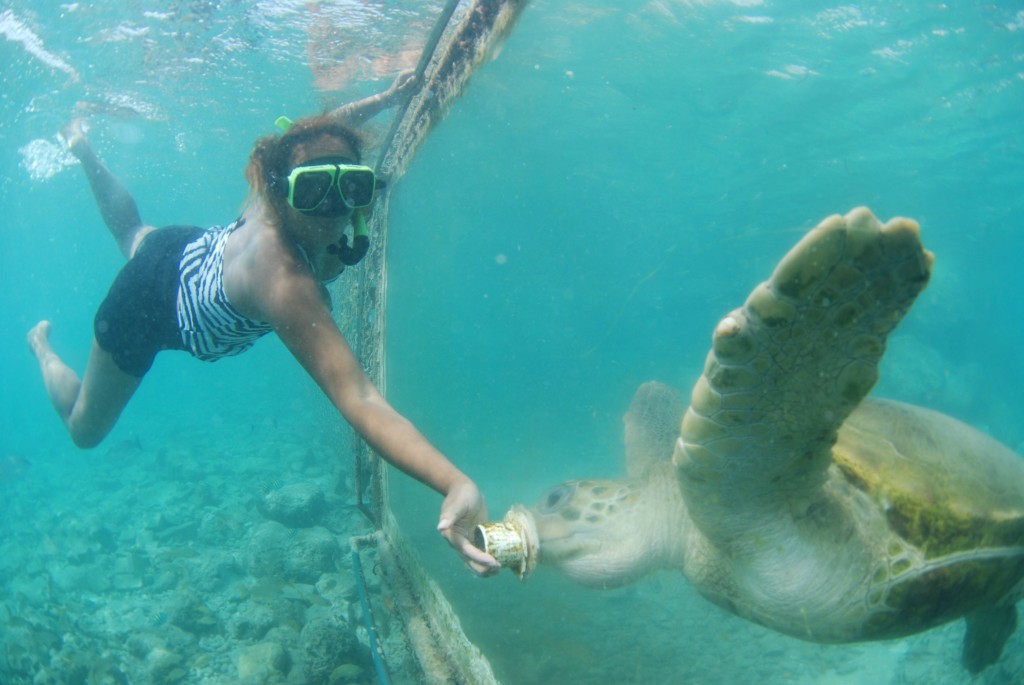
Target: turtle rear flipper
{"type": "Point", "coordinates": [987, 633]}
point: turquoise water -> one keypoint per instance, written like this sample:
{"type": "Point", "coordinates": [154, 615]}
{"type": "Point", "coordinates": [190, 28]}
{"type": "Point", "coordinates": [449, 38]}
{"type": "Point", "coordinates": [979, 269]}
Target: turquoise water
{"type": "Point", "coordinates": [616, 180]}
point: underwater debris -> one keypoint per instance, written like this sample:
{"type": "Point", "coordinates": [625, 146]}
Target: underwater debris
{"type": "Point", "coordinates": [13, 468]}
{"type": "Point", "coordinates": [193, 616]}
{"type": "Point", "coordinates": [297, 505]}
{"type": "Point", "coordinates": [270, 486]}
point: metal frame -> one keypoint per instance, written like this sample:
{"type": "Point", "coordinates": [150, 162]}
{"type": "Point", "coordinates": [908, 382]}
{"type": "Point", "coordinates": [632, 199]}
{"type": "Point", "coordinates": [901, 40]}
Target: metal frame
{"type": "Point", "coordinates": [462, 38]}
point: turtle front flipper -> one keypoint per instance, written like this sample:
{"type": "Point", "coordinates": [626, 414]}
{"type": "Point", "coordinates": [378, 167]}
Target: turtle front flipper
{"type": "Point", "coordinates": [652, 426]}
{"type": "Point", "coordinates": [787, 368]}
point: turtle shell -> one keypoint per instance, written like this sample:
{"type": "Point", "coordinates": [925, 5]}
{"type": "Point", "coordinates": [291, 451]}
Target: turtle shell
{"type": "Point", "coordinates": [952, 494]}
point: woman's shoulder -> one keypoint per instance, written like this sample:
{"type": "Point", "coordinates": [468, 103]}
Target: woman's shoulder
{"type": "Point", "coordinates": [258, 271]}
{"type": "Point", "coordinates": [266, 255]}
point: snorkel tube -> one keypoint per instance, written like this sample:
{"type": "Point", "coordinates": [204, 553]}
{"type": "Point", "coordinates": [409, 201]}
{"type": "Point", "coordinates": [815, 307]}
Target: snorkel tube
{"type": "Point", "coordinates": [283, 123]}
{"type": "Point", "coordinates": [349, 255]}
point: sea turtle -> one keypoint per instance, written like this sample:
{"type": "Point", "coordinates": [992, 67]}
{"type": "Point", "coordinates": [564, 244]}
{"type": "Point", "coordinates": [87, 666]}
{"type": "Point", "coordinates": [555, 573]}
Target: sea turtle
{"type": "Point", "coordinates": [790, 498]}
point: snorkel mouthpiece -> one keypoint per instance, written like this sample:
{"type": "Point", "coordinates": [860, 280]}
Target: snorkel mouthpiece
{"type": "Point", "coordinates": [350, 255]}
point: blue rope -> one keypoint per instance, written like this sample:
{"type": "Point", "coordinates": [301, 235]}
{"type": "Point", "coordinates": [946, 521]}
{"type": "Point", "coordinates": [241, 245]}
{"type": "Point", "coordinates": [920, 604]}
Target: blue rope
{"type": "Point", "coordinates": [376, 650]}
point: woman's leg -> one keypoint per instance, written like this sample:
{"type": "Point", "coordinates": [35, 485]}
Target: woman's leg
{"type": "Point", "coordinates": [90, 407]}
{"type": "Point", "coordinates": [115, 202]}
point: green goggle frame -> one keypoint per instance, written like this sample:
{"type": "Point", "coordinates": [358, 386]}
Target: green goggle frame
{"type": "Point", "coordinates": [310, 186]}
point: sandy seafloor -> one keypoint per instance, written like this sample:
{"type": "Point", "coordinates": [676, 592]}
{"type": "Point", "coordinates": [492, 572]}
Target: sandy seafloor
{"type": "Point", "coordinates": [148, 563]}
{"type": "Point", "coordinates": [145, 563]}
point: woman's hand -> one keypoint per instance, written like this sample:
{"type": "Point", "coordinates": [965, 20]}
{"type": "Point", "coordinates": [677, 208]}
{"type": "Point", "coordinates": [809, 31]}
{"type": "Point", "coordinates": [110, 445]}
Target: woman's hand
{"type": "Point", "coordinates": [403, 84]}
{"type": "Point", "coordinates": [462, 511]}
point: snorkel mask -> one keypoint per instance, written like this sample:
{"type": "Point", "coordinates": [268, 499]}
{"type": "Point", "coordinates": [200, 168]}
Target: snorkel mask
{"type": "Point", "coordinates": [332, 187]}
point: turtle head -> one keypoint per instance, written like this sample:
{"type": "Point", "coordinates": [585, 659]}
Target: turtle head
{"type": "Point", "coordinates": [600, 533]}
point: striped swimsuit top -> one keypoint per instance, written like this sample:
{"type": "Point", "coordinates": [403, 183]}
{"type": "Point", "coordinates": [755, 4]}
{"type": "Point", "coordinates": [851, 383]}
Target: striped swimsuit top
{"type": "Point", "coordinates": [210, 327]}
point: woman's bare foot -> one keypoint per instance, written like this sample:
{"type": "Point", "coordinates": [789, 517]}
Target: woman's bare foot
{"type": "Point", "coordinates": [74, 135]}
{"type": "Point", "coordinates": [39, 339]}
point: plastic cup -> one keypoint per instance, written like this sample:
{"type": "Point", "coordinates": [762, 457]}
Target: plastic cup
{"type": "Point", "coordinates": [512, 541]}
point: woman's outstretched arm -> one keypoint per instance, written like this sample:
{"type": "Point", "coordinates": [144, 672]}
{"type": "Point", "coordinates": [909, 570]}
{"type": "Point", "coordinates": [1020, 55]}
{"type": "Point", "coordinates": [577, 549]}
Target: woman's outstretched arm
{"type": "Point", "coordinates": [356, 113]}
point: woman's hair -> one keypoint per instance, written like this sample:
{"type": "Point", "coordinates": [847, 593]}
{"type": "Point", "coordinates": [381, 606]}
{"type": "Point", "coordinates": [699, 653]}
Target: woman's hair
{"type": "Point", "coordinates": [270, 161]}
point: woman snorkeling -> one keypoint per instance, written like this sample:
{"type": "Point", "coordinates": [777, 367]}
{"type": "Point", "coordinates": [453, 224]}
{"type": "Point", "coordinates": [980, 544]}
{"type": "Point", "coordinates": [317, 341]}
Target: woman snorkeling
{"type": "Point", "coordinates": [213, 292]}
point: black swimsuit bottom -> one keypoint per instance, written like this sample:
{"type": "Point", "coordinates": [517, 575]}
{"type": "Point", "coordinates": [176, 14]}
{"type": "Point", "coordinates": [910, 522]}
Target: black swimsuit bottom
{"type": "Point", "coordinates": [139, 316]}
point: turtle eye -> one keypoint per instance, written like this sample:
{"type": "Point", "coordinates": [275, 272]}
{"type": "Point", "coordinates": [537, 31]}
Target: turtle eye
{"type": "Point", "coordinates": [556, 498]}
